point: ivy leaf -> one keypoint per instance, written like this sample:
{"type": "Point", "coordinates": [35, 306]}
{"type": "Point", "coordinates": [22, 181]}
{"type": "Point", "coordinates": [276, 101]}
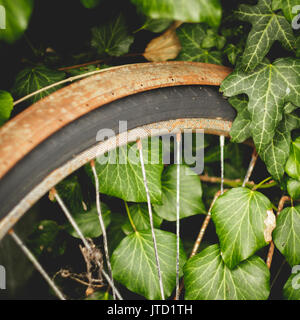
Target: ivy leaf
{"type": "Point", "coordinates": [140, 217]}
{"type": "Point", "coordinates": [293, 188]}
{"type": "Point", "coordinates": [298, 47]}
{"type": "Point", "coordinates": [156, 25]}
{"type": "Point", "coordinates": [213, 154]}
{"type": "Point", "coordinates": [133, 263]}
{"type": "Point", "coordinates": [286, 236]}
{"type": "Point", "coordinates": [232, 53]}
{"type": "Point", "coordinates": [187, 11]}
{"type": "Point", "coordinates": [242, 218]}
{"type": "Point", "coordinates": [32, 79]}
{"type": "Point", "coordinates": [190, 194]}
{"type": "Point", "coordinates": [70, 191]}
{"type": "Point", "coordinates": [17, 16]}
{"type": "Point", "coordinates": [292, 167]}
{"type": "Point", "coordinates": [267, 27]}
{"type": "Point", "coordinates": [90, 4]}
{"type": "Point", "coordinates": [6, 106]}
{"type": "Point", "coordinates": [206, 277]}
{"type": "Point", "coordinates": [275, 153]}
{"type": "Point", "coordinates": [212, 39]}
{"type": "Point", "coordinates": [82, 70]}
{"type": "Point", "coordinates": [269, 87]}
{"type": "Point", "coordinates": [113, 38]}
{"type": "Point", "coordinates": [46, 238]}
{"type": "Point", "coordinates": [115, 234]}
{"type": "Point", "coordinates": [88, 222]}
{"type": "Point", "coordinates": [286, 6]}
{"type": "Point", "coordinates": [120, 172]}
{"type": "Point", "coordinates": [291, 289]}
{"type": "Point", "coordinates": [240, 130]}
{"type": "Point", "coordinates": [191, 37]}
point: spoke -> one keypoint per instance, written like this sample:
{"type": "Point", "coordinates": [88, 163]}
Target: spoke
{"type": "Point", "coordinates": [222, 142]}
{"type": "Point", "coordinates": [103, 227]}
{"type": "Point", "coordinates": [85, 242]}
{"type": "Point", "coordinates": [204, 226]}
{"type": "Point", "coordinates": [140, 148]}
{"type": "Point", "coordinates": [178, 140]}
{"type": "Point", "coordinates": [251, 167]}
{"type": "Point", "coordinates": [70, 218]}
{"type": "Point", "coordinates": [36, 264]}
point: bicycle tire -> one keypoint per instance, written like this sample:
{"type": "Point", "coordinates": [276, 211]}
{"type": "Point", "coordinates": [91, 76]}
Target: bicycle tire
{"type": "Point", "coordinates": [151, 93]}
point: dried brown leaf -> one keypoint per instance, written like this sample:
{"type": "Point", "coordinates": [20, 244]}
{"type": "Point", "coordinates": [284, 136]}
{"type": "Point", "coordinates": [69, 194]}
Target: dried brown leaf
{"type": "Point", "coordinates": [165, 47]}
{"type": "Point", "coordinates": [270, 223]}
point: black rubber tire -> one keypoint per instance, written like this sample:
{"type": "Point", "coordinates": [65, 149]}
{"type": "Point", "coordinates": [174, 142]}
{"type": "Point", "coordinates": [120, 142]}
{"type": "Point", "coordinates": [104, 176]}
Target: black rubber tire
{"type": "Point", "coordinates": [143, 108]}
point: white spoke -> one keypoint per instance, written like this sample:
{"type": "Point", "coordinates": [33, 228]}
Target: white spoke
{"type": "Point", "coordinates": [222, 143]}
{"type": "Point", "coordinates": [139, 145]}
{"type": "Point", "coordinates": [251, 167]}
{"type": "Point", "coordinates": [178, 140]}
{"type": "Point", "coordinates": [70, 218]}
{"type": "Point", "coordinates": [36, 264]}
{"type": "Point", "coordinates": [102, 226]}
{"type": "Point", "coordinates": [85, 242]}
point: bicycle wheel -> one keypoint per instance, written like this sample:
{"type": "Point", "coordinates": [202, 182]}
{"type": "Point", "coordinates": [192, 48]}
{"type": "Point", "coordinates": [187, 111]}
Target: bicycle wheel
{"type": "Point", "coordinates": [57, 135]}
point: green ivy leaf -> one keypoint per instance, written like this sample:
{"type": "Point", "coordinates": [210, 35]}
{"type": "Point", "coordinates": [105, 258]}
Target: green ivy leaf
{"type": "Point", "coordinates": [298, 47]}
{"type": "Point", "coordinates": [88, 222]}
{"type": "Point", "coordinates": [267, 27]}
{"type": "Point", "coordinates": [292, 167]}
{"type": "Point", "coordinates": [286, 236]}
{"type": "Point", "coordinates": [275, 153]}
{"type": "Point", "coordinates": [293, 188]}
{"type": "Point", "coordinates": [212, 39]}
{"type": "Point", "coordinates": [45, 238]}
{"type": "Point", "coordinates": [6, 106]}
{"type": "Point", "coordinates": [70, 191]}
{"type": "Point", "coordinates": [115, 234]}
{"type": "Point", "coordinates": [232, 53]}
{"type": "Point", "coordinates": [206, 277]}
{"type": "Point", "coordinates": [286, 6]}
{"type": "Point", "coordinates": [113, 38]}
{"type": "Point", "coordinates": [120, 175]}
{"type": "Point", "coordinates": [209, 11]}
{"type": "Point", "coordinates": [190, 194]}
{"type": "Point", "coordinates": [133, 263]}
{"type": "Point", "coordinates": [239, 216]}
{"type": "Point", "coordinates": [269, 87]}
{"type": "Point", "coordinates": [156, 25]}
{"type": "Point", "coordinates": [17, 16]}
{"type": "Point", "coordinates": [213, 154]}
{"type": "Point", "coordinates": [140, 217]}
{"type": "Point", "coordinates": [191, 37]}
{"type": "Point", "coordinates": [82, 70]}
{"type": "Point", "coordinates": [32, 79]}
{"type": "Point", "coordinates": [90, 4]}
{"type": "Point", "coordinates": [291, 289]}
{"type": "Point", "coordinates": [240, 130]}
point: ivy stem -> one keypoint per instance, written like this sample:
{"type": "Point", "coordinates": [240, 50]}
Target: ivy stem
{"type": "Point", "coordinates": [261, 183]}
{"type": "Point", "coordinates": [129, 216]}
{"type": "Point", "coordinates": [282, 201]}
{"type": "Point", "coordinates": [235, 183]}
